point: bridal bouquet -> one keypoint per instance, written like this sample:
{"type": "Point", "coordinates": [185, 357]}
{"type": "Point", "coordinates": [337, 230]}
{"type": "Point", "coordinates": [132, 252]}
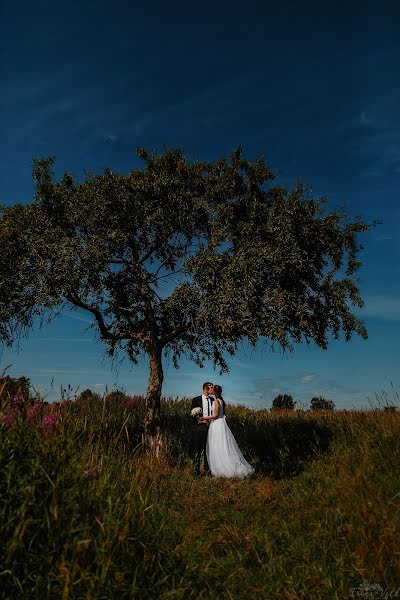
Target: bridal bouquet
{"type": "Point", "coordinates": [196, 412]}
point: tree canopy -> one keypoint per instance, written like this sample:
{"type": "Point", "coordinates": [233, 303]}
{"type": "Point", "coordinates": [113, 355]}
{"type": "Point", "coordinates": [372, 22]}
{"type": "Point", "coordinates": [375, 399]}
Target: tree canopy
{"type": "Point", "coordinates": [181, 258]}
{"type": "Point", "coordinates": [283, 402]}
{"type": "Point", "coordinates": [320, 403]}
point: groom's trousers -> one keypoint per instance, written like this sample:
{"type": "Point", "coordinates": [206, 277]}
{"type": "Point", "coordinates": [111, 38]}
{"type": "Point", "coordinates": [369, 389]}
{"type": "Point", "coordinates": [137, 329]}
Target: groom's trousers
{"type": "Point", "coordinates": [199, 443]}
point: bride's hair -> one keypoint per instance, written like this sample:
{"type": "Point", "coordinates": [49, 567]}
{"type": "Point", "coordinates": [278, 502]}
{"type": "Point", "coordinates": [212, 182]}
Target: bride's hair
{"type": "Point", "coordinates": [218, 393]}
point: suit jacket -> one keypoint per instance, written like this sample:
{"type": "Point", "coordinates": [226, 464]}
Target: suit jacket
{"type": "Point", "coordinates": [198, 401]}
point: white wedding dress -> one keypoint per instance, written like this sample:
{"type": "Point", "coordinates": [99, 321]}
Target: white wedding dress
{"type": "Point", "coordinates": [223, 453]}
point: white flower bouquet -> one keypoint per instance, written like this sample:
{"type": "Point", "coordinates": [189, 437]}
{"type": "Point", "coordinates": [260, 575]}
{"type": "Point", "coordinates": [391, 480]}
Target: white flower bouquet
{"type": "Point", "coordinates": [196, 412]}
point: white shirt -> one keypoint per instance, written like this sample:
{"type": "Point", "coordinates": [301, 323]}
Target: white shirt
{"type": "Point", "coordinates": [206, 403]}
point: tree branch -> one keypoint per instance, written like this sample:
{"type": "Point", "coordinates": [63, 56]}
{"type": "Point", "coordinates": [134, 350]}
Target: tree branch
{"type": "Point", "coordinates": [105, 333]}
{"type": "Point", "coordinates": [149, 312]}
{"type": "Point", "coordinates": [170, 274]}
{"type": "Point", "coordinates": [166, 339]}
{"type": "Point", "coordinates": [120, 261]}
{"type": "Point", "coordinates": [142, 260]}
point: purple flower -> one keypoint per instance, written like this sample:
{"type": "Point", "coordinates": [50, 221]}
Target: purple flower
{"type": "Point", "coordinates": [8, 418]}
{"type": "Point", "coordinates": [18, 399]}
{"type": "Point", "coordinates": [33, 411]}
{"type": "Point", "coordinates": [50, 421]}
{"type": "Point", "coordinates": [94, 472]}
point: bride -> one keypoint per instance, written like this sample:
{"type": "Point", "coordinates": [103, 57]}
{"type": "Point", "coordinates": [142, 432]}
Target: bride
{"type": "Point", "coordinates": [223, 453]}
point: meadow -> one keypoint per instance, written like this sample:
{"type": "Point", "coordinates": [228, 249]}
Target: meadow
{"type": "Point", "coordinates": [84, 515]}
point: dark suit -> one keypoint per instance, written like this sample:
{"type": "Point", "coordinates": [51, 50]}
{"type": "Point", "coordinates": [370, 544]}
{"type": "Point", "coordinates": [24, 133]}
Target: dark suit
{"type": "Point", "coordinates": [199, 437]}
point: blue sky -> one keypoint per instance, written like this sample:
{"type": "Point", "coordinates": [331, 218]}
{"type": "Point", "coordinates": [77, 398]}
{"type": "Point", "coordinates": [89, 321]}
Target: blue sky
{"type": "Point", "coordinates": [312, 86]}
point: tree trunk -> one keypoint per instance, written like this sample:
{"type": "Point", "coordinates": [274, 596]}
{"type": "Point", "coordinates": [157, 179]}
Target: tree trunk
{"type": "Point", "coordinates": [152, 425]}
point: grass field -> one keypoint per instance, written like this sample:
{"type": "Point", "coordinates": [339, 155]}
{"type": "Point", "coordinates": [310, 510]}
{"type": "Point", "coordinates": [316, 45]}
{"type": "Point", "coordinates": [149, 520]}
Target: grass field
{"type": "Point", "coordinates": [83, 515]}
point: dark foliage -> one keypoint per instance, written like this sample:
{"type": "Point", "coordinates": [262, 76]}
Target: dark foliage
{"type": "Point", "coordinates": [320, 403]}
{"type": "Point", "coordinates": [283, 402]}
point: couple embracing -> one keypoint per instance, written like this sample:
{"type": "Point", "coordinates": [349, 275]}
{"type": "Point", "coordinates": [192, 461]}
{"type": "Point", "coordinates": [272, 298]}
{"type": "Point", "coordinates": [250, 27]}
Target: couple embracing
{"type": "Point", "coordinates": [212, 437]}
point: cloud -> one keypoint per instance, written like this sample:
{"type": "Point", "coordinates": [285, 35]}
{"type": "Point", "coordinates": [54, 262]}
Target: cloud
{"type": "Point", "coordinates": [63, 339]}
{"type": "Point", "coordinates": [194, 100]}
{"type": "Point", "coordinates": [76, 317]}
{"type": "Point", "coordinates": [372, 172]}
{"type": "Point", "coordinates": [383, 237]}
{"type": "Point", "coordinates": [380, 144]}
{"type": "Point", "coordinates": [110, 137]}
{"type": "Point", "coordinates": [294, 378]}
{"type": "Point", "coordinates": [139, 126]}
{"type": "Point", "coordinates": [308, 378]}
{"type": "Point", "coordinates": [364, 118]}
{"type": "Point", "coordinates": [303, 388]}
{"type": "Point", "coordinates": [381, 307]}
{"type": "Point", "coordinates": [297, 384]}
{"type": "Point", "coordinates": [69, 371]}
{"type": "Point", "coordinates": [237, 363]}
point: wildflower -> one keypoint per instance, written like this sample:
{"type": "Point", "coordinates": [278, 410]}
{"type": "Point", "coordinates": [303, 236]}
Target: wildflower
{"type": "Point", "coordinates": [8, 418]}
{"type": "Point", "coordinates": [50, 421]}
{"type": "Point", "coordinates": [94, 472]}
{"type": "Point", "coordinates": [18, 399]}
{"type": "Point", "coordinates": [33, 410]}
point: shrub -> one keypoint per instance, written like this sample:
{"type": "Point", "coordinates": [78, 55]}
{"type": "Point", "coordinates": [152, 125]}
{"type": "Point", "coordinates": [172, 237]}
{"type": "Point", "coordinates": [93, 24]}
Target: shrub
{"type": "Point", "coordinates": [320, 403]}
{"type": "Point", "coordinates": [88, 395]}
{"type": "Point", "coordinates": [116, 395]}
{"type": "Point", "coordinates": [283, 401]}
{"type": "Point", "coordinates": [10, 387]}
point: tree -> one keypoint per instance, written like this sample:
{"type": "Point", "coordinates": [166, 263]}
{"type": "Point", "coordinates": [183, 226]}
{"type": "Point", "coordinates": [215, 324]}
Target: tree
{"type": "Point", "coordinates": [283, 402]}
{"type": "Point", "coordinates": [180, 259]}
{"type": "Point", "coordinates": [88, 395]}
{"type": "Point", "coordinates": [10, 387]}
{"type": "Point", "coordinates": [320, 403]}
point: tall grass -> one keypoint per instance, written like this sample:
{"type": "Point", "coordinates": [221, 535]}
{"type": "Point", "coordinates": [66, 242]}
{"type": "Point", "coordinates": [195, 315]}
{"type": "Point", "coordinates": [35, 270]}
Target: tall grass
{"type": "Point", "coordinates": [84, 515]}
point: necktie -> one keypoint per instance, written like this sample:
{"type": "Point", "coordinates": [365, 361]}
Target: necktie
{"type": "Point", "coordinates": [208, 405]}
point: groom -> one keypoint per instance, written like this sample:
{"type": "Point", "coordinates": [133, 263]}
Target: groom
{"type": "Point", "coordinates": [200, 428]}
